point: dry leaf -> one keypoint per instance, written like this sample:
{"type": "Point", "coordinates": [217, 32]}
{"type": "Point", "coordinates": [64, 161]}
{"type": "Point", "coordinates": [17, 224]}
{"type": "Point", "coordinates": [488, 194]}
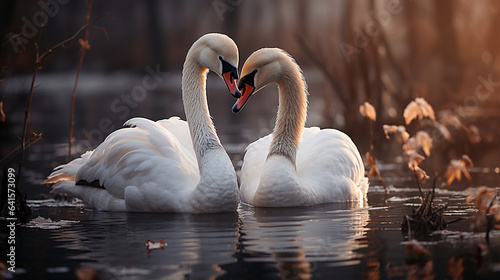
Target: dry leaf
{"type": "Point", "coordinates": [411, 112]}
{"type": "Point", "coordinates": [439, 131]}
{"type": "Point", "coordinates": [450, 119]}
{"type": "Point", "coordinates": [418, 108]}
{"type": "Point", "coordinates": [424, 141]}
{"type": "Point", "coordinates": [374, 172]}
{"type": "Point", "coordinates": [443, 130]}
{"type": "Point", "coordinates": [413, 159]}
{"type": "Point", "coordinates": [421, 174]}
{"type": "Point", "coordinates": [482, 197]}
{"type": "Point", "coordinates": [495, 212]}
{"type": "Point", "coordinates": [84, 43]}
{"type": "Point", "coordinates": [367, 110]}
{"type": "Point", "coordinates": [456, 168]}
{"type": "Point", "coordinates": [411, 144]}
{"type": "Point", "coordinates": [398, 130]}
{"type": "Point", "coordinates": [415, 247]}
{"type": "Point", "coordinates": [150, 245]}
{"type": "Point", "coordinates": [467, 161]}
{"type": "Point", "coordinates": [369, 159]}
{"type": "Point", "coordinates": [2, 114]}
{"type": "Point", "coordinates": [454, 171]}
{"type": "Point", "coordinates": [372, 163]}
{"type": "Point", "coordinates": [421, 140]}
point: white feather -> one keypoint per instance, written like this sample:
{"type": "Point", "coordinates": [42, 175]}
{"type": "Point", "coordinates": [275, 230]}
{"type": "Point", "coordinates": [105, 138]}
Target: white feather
{"type": "Point", "coordinates": [328, 169]}
{"type": "Point", "coordinates": [145, 167]}
{"type": "Point", "coordinates": [157, 166]}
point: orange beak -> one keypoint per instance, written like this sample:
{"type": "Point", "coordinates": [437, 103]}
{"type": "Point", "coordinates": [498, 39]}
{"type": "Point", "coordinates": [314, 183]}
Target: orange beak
{"type": "Point", "coordinates": [246, 93]}
{"type": "Point", "coordinates": [231, 84]}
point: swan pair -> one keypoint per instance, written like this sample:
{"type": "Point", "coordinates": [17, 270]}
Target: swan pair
{"type": "Point", "coordinates": [180, 166]}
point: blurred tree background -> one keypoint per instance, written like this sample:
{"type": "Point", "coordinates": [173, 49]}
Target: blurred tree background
{"type": "Point", "coordinates": [384, 51]}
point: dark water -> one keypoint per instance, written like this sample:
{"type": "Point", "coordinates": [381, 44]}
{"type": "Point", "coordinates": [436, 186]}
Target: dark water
{"type": "Point", "coordinates": [333, 241]}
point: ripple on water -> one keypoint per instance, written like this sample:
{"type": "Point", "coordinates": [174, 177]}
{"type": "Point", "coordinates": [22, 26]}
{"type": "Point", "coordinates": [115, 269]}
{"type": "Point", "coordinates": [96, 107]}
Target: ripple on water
{"type": "Point", "coordinates": [310, 242]}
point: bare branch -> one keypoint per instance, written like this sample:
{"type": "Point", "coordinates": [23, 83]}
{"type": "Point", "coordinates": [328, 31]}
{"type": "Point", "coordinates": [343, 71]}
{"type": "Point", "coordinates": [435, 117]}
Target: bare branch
{"type": "Point", "coordinates": [84, 48]}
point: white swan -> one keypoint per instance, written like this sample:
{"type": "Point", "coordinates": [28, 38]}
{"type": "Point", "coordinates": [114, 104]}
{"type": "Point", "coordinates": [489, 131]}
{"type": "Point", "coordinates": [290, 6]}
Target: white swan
{"type": "Point", "coordinates": [169, 165]}
{"type": "Point", "coordinates": [294, 166]}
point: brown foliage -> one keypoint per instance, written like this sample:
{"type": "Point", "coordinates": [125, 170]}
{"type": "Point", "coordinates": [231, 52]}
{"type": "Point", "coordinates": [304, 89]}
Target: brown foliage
{"type": "Point", "coordinates": [419, 108]}
{"type": "Point", "coordinates": [398, 130]}
{"type": "Point", "coordinates": [456, 168]}
{"type": "Point", "coordinates": [367, 110]}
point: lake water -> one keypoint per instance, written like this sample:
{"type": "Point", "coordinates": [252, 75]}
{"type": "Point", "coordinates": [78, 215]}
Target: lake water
{"type": "Point", "coordinates": [332, 241]}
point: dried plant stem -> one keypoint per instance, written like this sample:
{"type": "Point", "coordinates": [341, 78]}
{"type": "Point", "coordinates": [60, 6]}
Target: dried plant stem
{"type": "Point", "coordinates": [28, 105]}
{"type": "Point", "coordinates": [372, 152]}
{"type": "Point", "coordinates": [490, 220]}
{"type": "Point", "coordinates": [419, 185]}
{"type": "Point", "coordinates": [38, 64]}
{"type": "Point", "coordinates": [73, 97]}
{"type": "Point", "coordinates": [372, 138]}
{"type": "Point", "coordinates": [426, 219]}
{"type": "Point", "coordinates": [26, 116]}
{"type": "Point", "coordinates": [27, 145]}
{"type": "Point", "coordinates": [23, 208]}
{"type": "Point", "coordinates": [72, 38]}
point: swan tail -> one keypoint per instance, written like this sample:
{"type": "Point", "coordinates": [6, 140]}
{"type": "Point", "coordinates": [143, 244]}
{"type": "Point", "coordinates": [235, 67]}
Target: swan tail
{"type": "Point", "coordinates": [63, 176]}
{"type": "Point", "coordinates": [96, 198]}
{"type": "Point", "coordinates": [66, 187]}
{"type": "Point", "coordinates": [54, 178]}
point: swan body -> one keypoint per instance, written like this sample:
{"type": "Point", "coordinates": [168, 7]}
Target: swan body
{"type": "Point", "coordinates": [164, 166]}
{"type": "Point", "coordinates": [295, 166]}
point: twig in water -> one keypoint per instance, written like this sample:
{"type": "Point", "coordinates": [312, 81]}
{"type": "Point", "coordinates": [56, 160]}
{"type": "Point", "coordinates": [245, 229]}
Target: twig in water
{"type": "Point", "coordinates": [490, 220]}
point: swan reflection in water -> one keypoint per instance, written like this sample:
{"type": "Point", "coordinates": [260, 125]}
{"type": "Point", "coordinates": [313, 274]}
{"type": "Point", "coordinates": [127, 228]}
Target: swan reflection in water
{"type": "Point", "coordinates": [296, 240]}
{"type": "Point", "coordinates": [112, 244]}
{"type": "Point", "coordinates": [288, 243]}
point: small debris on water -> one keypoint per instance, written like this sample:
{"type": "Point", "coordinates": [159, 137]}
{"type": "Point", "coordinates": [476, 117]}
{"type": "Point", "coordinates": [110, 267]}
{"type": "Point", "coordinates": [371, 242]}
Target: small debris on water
{"type": "Point", "coordinates": [47, 223]}
{"type": "Point", "coordinates": [151, 245]}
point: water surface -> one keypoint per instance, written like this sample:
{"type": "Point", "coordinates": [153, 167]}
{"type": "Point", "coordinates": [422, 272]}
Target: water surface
{"type": "Point", "coordinates": [331, 241]}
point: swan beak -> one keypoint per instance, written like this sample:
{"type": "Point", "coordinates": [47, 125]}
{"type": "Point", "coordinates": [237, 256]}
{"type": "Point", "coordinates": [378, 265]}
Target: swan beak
{"type": "Point", "coordinates": [247, 91]}
{"type": "Point", "coordinates": [231, 84]}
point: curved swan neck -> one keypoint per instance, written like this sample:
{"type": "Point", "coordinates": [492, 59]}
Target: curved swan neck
{"type": "Point", "coordinates": [194, 99]}
{"type": "Point", "coordinates": [292, 112]}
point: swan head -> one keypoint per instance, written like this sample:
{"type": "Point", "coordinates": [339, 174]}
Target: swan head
{"type": "Point", "coordinates": [219, 53]}
{"type": "Point", "coordinates": [263, 67]}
